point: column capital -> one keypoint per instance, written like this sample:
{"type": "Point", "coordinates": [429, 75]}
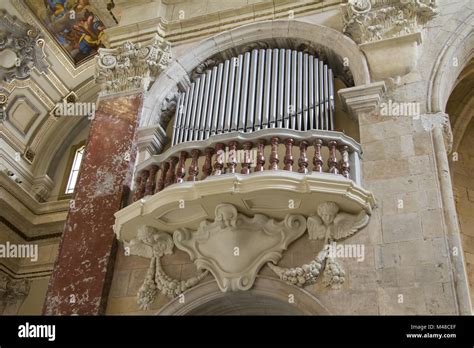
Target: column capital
{"type": "Point", "coordinates": [131, 67]}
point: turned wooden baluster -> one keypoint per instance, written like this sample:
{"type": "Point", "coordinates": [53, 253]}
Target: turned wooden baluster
{"type": "Point", "coordinates": [232, 164]}
{"type": "Point", "coordinates": [137, 191]}
{"type": "Point", "coordinates": [345, 167]}
{"type": "Point", "coordinates": [332, 161]}
{"type": "Point", "coordinates": [181, 168]}
{"type": "Point", "coordinates": [274, 154]}
{"type": "Point", "coordinates": [219, 163]}
{"type": "Point", "coordinates": [288, 160]}
{"type": "Point", "coordinates": [160, 185]}
{"type": "Point", "coordinates": [303, 160]}
{"type": "Point", "coordinates": [150, 183]}
{"type": "Point", "coordinates": [193, 167]}
{"type": "Point", "coordinates": [170, 175]}
{"type": "Point", "coordinates": [318, 158]}
{"type": "Point", "coordinates": [247, 146]}
{"type": "Point", "coordinates": [207, 166]}
{"type": "Point", "coordinates": [260, 156]}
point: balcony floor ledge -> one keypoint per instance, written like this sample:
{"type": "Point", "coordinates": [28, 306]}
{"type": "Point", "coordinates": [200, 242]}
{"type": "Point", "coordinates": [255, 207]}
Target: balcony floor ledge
{"type": "Point", "coordinates": [273, 193]}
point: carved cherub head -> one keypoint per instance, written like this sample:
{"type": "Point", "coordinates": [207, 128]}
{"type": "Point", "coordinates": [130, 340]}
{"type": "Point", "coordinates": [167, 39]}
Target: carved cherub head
{"type": "Point", "coordinates": [328, 211]}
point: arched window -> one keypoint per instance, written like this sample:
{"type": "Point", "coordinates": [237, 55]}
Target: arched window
{"type": "Point", "coordinates": [76, 164]}
{"type": "Point", "coordinates": [72, 170]}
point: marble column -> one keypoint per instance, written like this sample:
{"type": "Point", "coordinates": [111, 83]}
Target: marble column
{"type": "Point", "coordinates": [81, 278]}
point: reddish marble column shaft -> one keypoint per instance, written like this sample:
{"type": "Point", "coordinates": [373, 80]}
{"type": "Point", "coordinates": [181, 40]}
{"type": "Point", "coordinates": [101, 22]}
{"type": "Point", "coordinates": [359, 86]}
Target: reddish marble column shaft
{"type": "Point", "coordinates": [81, 278]}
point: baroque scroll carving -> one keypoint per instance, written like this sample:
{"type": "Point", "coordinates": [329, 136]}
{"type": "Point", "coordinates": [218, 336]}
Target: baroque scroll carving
{"type": "Point", "coordinates": [131, 66]}
{"type": "Point", "coordinates": [372, 20]}
{"type": "Point", "coordinates": [329, 224]}
{"type": "Point", "coordinates": [21, 49]}
{"type": "Point", "coordinates": [234, 247]}
{"type": "Point", "coordinates": [153, 244]}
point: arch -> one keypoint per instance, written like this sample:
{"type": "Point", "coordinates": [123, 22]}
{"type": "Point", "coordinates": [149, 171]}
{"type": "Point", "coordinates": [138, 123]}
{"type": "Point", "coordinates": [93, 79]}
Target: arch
{"type": "Point", "coordinates": [457, 51]}
{"type": "Point", "coordinates": [178, 72]}
{"type": "Point", "coordinates": [266, 290]}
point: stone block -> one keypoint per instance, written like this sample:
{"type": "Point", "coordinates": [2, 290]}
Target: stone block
{"type": "Point", "coordinates": [401, 227]}
{"type": "Point", "coordinates": [439, 299]}
{"type": "Point", "coordinates": [406, 301]}
{"type": "Point", "coordinates": [120, 283]}
{"type": "Point", "coordinates": [364, 303]}
{"type": "Point", "coordinates": [432, 223]}
{"type": "Point", "coordinates": [387, 256]}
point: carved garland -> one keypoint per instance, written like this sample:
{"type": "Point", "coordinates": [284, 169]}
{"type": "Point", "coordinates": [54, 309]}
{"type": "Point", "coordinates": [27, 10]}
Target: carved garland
{"type": "Point", "coordinates": [329, 225]}
{"type": "Point", "coordinates": [153, 244]}
{"type": "Point", "coordinates": [261, 240]}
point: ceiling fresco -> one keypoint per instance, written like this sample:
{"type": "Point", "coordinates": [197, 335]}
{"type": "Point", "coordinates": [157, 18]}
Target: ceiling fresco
{"type": "Point", "coordinates": [74, 24]}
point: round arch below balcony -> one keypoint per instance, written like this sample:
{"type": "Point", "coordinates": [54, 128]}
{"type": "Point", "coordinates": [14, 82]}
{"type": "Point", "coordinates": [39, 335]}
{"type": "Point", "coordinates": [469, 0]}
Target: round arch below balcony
{"type": "Point", "coordinates": [179, 71]}
{"type": "Point", "coordinates": [268, 296]}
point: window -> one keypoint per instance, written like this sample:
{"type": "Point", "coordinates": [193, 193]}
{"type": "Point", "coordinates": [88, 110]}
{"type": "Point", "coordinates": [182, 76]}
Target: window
{"type": "Point", "coordinates": [76, 164]}
{"type": "Point", "coordinates": [71, 172]}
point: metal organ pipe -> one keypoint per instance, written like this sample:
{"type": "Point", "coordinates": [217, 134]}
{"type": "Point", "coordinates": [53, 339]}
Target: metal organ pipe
{"type": "Point", "coordinates": [278, 88]}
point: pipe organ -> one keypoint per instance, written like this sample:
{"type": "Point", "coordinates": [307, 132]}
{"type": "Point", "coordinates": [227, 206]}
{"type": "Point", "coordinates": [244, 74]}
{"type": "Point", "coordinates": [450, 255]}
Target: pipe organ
{"type": "Point", "coordinates": [264, 88]}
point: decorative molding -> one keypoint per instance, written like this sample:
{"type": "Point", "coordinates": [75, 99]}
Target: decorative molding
{"type": "Point", "coordinates": [330, 225]}
{"type": "Point", "coordinates": [373, 20]}
{"type": "Point", "coordinates": [234, 247]}
{"type": "Point", "coordinates": [151, 139]}
{"type": "Point", "coordinates": [439, 119]}
{"type": "Point", "coordinates": [153, 244]}
{"type": "Point", "coordinates": [365, 98]}
{"type": "Point", "coordinates": [13, 291]}
{"type": "Point", "coordinates": [206, 65]}
{"type": "Point", "coordinates": [168, 108]}
{"type": "Point", "coordinates": [131, 66]}
{"type": "Point", "coordinates": [21, 47]}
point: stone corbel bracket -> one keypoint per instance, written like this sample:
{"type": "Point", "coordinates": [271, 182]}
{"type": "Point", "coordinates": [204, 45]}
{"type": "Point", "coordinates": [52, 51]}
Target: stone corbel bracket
{"type": "Point", "coordinates": [131, 66]}
{"type": "Point", "coordinates": [234, 247]}
{"type": "Point", "coordinates": [362, 99]}
{"type": "Point", "coordinates": [153, 244]}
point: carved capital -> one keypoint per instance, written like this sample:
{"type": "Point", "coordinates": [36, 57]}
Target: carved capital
{"type": "Point", "coordinates": [13, 290]}
{"type": "Point", "coordinates": [373, 20]}
{"type": "Point", "coordinates": [440, 119]}
{"type": "Point", "coordinates": [131, 66]}
{"type": "Point", "coordinates": [21, 49]}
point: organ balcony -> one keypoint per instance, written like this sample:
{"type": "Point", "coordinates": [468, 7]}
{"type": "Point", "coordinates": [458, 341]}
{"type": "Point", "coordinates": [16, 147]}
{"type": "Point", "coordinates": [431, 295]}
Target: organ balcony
{"type": "Point", "coordinates": [256, 131]}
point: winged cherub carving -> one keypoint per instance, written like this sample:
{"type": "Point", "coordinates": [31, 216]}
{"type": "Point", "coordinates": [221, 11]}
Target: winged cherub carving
{"type": "Point", "coordinates": [331, 225]}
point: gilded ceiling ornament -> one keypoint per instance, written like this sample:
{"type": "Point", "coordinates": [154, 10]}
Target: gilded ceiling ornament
{"type": "Point", "coordinates": [131, 66]}
{"type": "Point", "coordinates": [21, 49]}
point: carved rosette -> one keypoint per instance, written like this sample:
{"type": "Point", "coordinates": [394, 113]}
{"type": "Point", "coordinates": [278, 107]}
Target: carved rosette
{"type": "Point", "coordinates": [21, 49]}
{"type": "Point", "coordinates": [373, 20]}
{"type": "Point", "coordinates": [131, 66]}
{"type": "Point", "coordinates": [234, 247]}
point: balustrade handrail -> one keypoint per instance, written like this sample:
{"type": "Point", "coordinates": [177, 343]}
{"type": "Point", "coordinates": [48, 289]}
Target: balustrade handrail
{"type": "Point", "coordinates": [264, 134]}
